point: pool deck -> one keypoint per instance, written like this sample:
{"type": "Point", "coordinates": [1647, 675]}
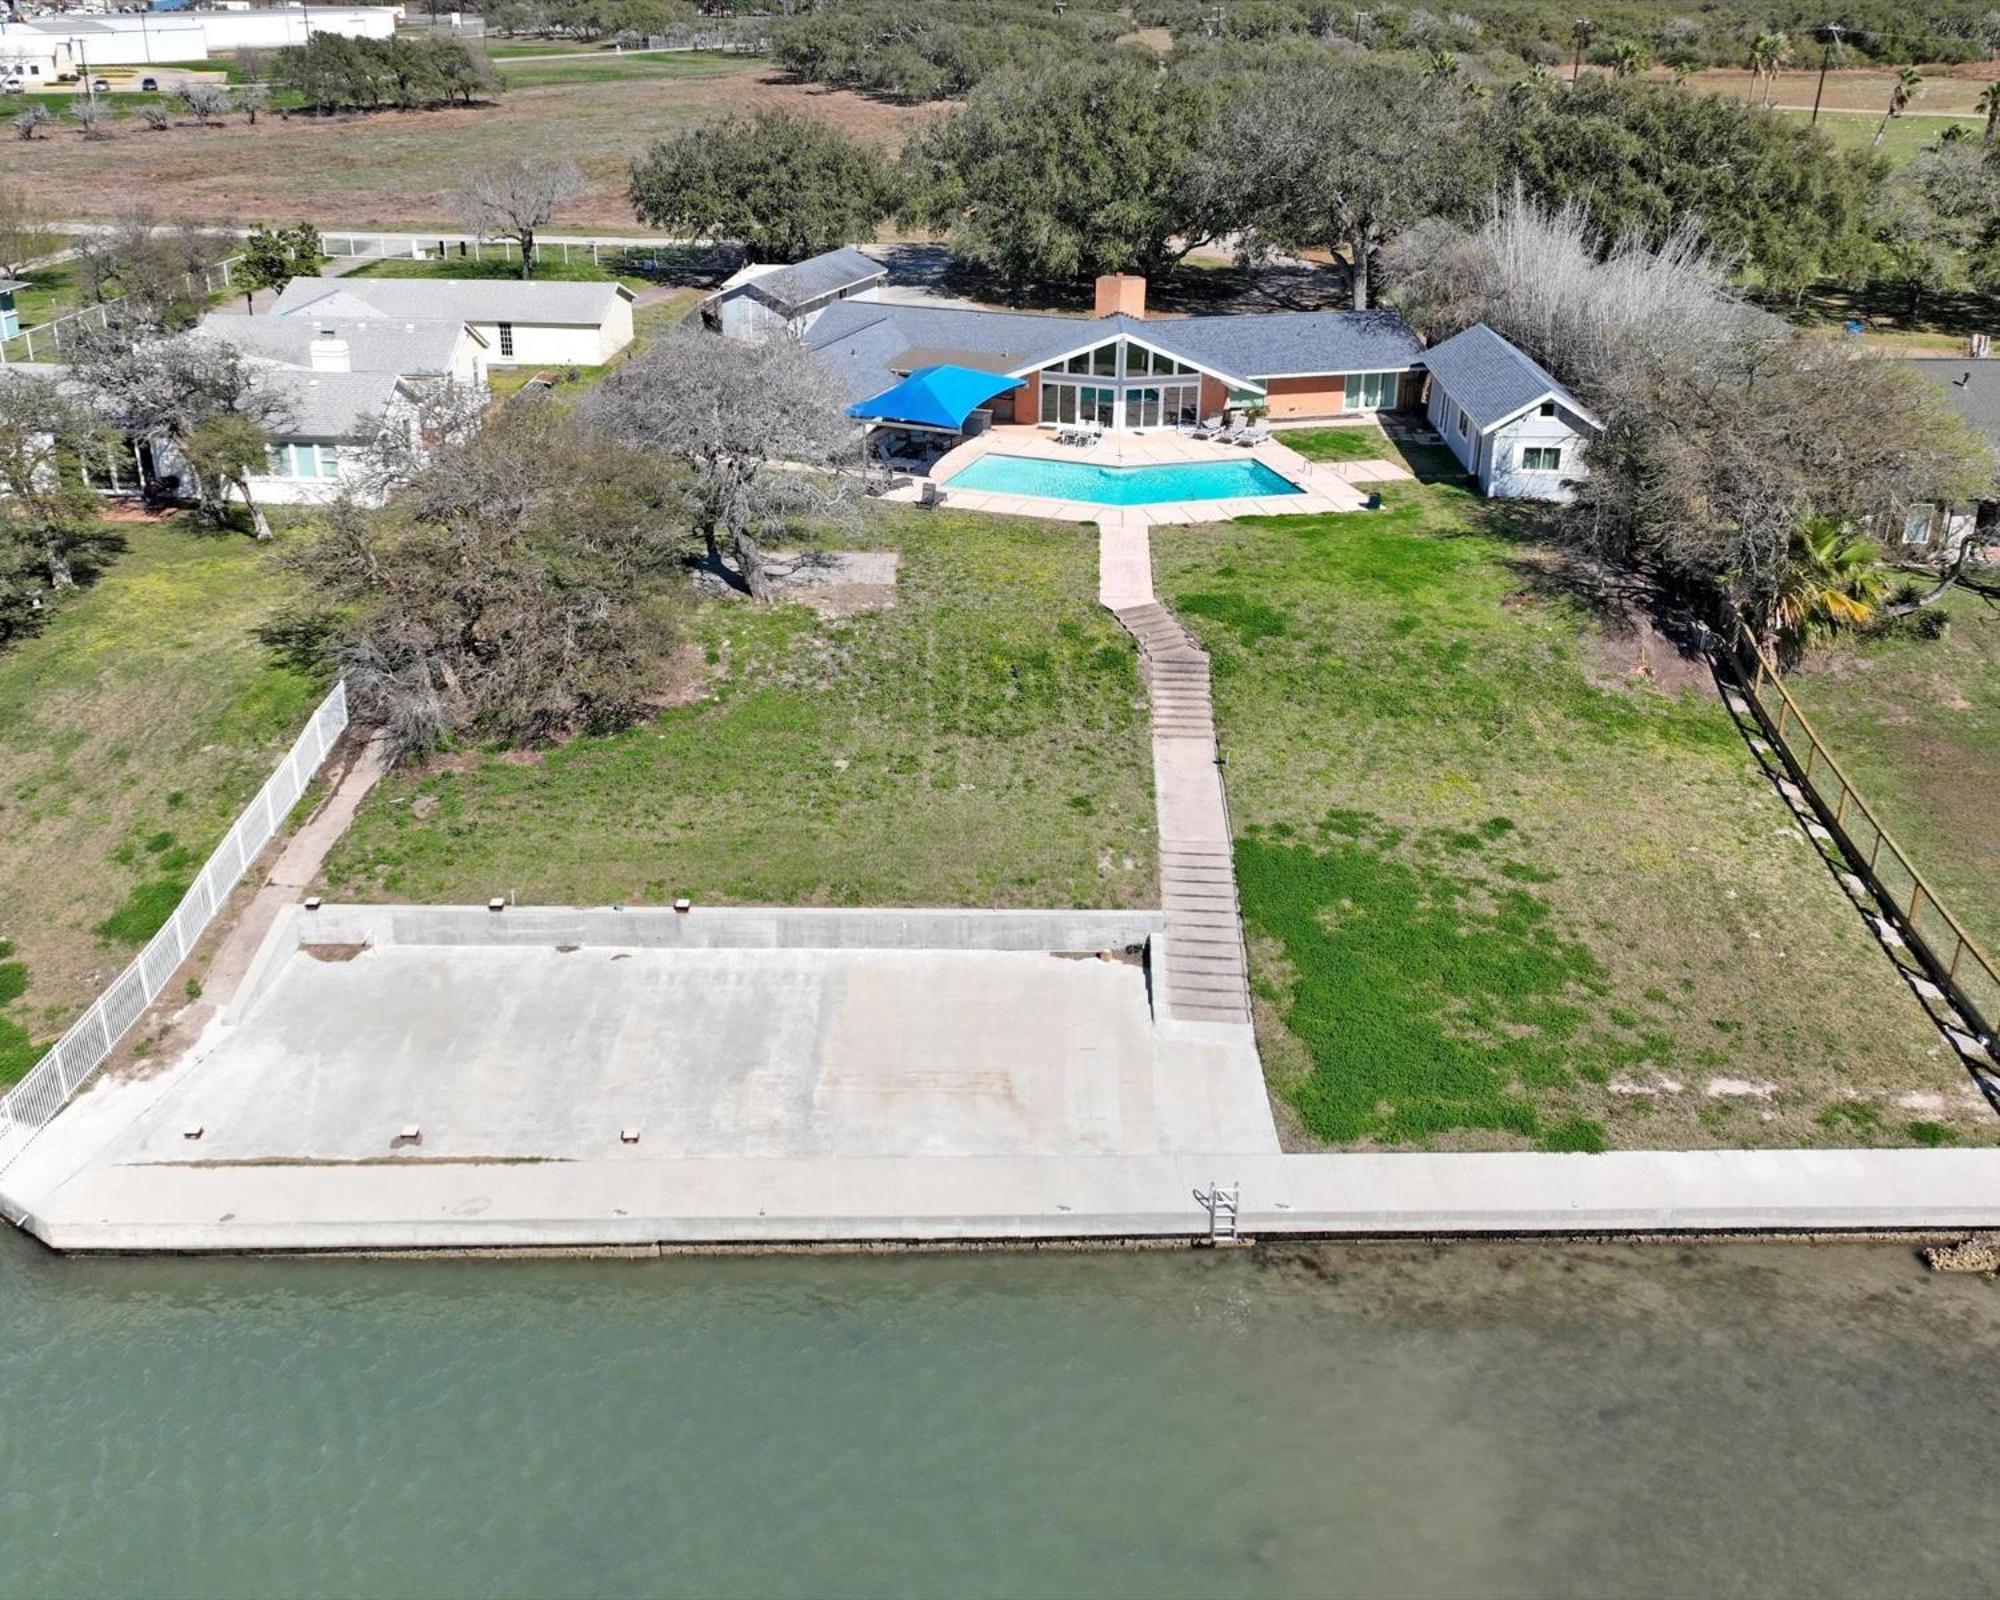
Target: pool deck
{"type": "Point", "coordinates": [1328, 486]}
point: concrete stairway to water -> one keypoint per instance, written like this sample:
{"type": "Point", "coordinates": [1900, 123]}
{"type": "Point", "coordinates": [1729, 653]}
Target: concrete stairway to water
{"type": "Point", "coordinates": [1206, 980]}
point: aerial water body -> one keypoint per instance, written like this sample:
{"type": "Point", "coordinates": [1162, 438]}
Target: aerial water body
{"type": "Point", "coordinates": [1496, 1419]}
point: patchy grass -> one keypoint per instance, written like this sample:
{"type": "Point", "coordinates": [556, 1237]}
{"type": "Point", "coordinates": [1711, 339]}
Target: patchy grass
{"type": "Point", "coordinates": [982, 742]}
{"type": "Point", "coordinates": [1368, 443]}
{"type": "Point", "coordinates": [1499, 892]}
{"type": "Point", "coordinates": [132, 730]}
{"type": "Point", "coordinates": [1916, 725]}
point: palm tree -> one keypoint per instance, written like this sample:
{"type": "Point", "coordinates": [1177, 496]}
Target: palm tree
{"type": "Point", "coordinates": [1627, 60]}
{"type": "Point", "coordinates": [1768, 52]}
{"type": "Point", "coordinates": [1901, 92]}
{"type": "Point", "coordinates": [1535, 84]}
{"type": "Point", "coordinates": [1833, 581]}
{"type": "Point", "coordinates": [1989, 104]}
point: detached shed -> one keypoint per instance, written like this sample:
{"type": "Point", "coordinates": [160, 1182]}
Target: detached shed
{"type": "Point", "coordinates": [1518, 431]}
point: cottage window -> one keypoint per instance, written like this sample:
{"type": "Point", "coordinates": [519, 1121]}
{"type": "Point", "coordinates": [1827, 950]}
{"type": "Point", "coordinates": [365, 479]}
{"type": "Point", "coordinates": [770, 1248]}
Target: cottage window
{"type": "Point", "coordinates": [507, 339]}
{"type": "Point", "coordinates": [1548, 408]}
{"type": "Point", "coordinates": [1541, 458]}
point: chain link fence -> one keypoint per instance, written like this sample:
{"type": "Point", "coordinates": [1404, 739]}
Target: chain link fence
{"type": "Point", "coordinates": [72, 1059]}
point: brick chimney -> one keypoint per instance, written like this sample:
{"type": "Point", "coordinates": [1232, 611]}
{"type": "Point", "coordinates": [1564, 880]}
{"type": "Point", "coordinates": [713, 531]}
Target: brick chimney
{"type": "Point", "coordinates": [1121, 294]}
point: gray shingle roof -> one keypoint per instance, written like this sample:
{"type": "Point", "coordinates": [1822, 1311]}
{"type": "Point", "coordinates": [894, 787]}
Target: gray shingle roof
{"type": "Point", "coordinates": [1491, 379]}
{"type": "Point", "coordinates": [862, 338]}
{"type": "Point", "coordinates": [1971, 388]}
{"type": "Point", "coordinates": [791, 288]}
{"type": "Point", "coordinates": [326, 405]}
{"type": "Point", "coordinates": [420, 349]}
{"type": "Point", "coordinates": [456, 299]}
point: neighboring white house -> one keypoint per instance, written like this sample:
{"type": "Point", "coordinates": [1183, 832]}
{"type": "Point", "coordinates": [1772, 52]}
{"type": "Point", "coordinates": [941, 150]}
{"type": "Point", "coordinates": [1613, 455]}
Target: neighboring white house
{"type": "Point", "coordinates": [521, 324]}
{"type": "Point", "coordinates": [411, 349]}
{"type": "Point", "coordinates": [337, 384]}
{"type": "Point", "coordinates": [1970, 385]}
{"type": "Point", "coordinates": [764, 299]}
{"type": "Point", "coordinates": [1518, 431]}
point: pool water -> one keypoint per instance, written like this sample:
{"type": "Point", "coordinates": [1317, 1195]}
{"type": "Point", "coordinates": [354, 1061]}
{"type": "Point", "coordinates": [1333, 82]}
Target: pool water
{"type": "Point", "coordinates": [1122, 486]}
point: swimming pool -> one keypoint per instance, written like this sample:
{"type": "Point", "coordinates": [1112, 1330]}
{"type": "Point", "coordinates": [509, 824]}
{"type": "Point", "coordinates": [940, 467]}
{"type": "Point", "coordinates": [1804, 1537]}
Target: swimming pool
{"type": "Point", "coordinates": [1122, 486]}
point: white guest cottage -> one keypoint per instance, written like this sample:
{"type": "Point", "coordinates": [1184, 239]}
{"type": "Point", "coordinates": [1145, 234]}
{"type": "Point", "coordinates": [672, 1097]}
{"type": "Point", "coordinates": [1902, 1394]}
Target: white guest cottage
{"type": "Point", "coordinates": [1518, 431]}
{"type": "Point", "coordinates": [521, 324]}
{"type": "Point", "coordinates": [764, 299]}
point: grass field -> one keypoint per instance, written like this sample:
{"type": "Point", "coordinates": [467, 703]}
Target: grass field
{"type": "Point", "coordinates": [49, 291]}
{"type": "Point", "coordinates": [1916, 725]}
{"type": "Point", "coordinates": [1905, 136]}
{"type": "Point", "coordinates": [1501, 890]}
{"type": "Point", "coordinates": [982, 742]}
{"type": "Point", "coordinates": [132, 730]}
{"type": "Point", "coordinates": [395, 168]}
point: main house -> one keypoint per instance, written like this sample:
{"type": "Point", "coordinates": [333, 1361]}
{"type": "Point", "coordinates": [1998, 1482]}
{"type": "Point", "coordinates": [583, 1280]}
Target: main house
{"type": "Point", "coordinates": [1125, 369]}
{"type": "Point", "coordinates": [1519, 432]}
{"type": "Point", "coordinates": [521, 324]}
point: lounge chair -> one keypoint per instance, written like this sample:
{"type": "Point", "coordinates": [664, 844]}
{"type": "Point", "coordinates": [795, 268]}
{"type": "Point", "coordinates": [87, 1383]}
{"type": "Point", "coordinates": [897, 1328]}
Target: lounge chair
{"type": "Point", "coordinates": [1209, 427]}
{"type": "Point", "coordinates": [930, 497]}
{"type": "Point", "coordinates": [1252, 436]}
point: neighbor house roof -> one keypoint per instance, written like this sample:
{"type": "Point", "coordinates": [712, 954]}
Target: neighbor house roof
{"type": "Point", "coordinates": [789, 288]}
{"type": "Point", "coordinates": [378, 344]}
{"type": "Point", "coordinates": [1971, 387]}
{"type": "Point", "coordinates": [452, 299]}
{"type": "Point", "coordinates": [326, 405]}
{"type": "Point", "coordinates": [866, 341]}
{"type": "Point", "coordinates": [1492, 380]}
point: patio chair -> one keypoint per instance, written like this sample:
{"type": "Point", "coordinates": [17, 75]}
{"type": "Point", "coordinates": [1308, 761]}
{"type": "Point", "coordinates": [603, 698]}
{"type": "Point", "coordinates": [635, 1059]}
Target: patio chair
{"type": "Point", "coordinates": [930, 497]}
{"type": "Point", "coordinates": [1209, 427]}
{"type": "Point", "coordinates": [1093, 434]}
{"type": "Point", "coordinates": [1231, 432]}
{"type": "Point", "coordinates": [1252, 436]}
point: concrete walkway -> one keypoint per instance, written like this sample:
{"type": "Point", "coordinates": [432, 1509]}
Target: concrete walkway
{"type": "Point", "coordinates": [1206, 978]}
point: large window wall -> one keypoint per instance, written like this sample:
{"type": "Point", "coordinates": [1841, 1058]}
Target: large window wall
{"type": "Point", "coordinates": [1122, 385]}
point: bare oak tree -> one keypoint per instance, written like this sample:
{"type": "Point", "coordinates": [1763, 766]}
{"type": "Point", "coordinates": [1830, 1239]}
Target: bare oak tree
{"type": "Point", "coordinates": [759, 431]}
{"type": "Point", "coordinates": [92, 115]}
{"type": "Point", "coordinates": [517, 200]}
{"type": "Point", "coordinates": [207, 103]}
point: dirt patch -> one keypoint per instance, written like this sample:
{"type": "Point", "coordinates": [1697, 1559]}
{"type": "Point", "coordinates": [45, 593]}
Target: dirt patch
{"type": "Point", "coordinates": [837, 583]}
{"type": "Point", "coordinates": [1632, 650]}
{"type": "Point", "coordinates": [333, 952]}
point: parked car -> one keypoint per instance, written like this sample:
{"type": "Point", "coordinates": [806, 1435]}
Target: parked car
{"type": "Point", "coordinates": [13, 86]}
{"type": "Point", "coordinates": [100, 85]}
{"type": "Point", "coordinates": [149, 85]}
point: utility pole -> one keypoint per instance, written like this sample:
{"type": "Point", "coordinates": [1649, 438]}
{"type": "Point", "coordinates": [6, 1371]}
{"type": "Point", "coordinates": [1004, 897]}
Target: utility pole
{"type": "Point", "coordinates": [1829, 38]}
{"type": "Point", "coordinates": [1583, 30]}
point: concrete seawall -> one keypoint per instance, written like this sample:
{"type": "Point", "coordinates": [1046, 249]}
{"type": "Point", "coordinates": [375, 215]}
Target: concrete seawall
{"type": "Point", "coordinates": [414, 1205]}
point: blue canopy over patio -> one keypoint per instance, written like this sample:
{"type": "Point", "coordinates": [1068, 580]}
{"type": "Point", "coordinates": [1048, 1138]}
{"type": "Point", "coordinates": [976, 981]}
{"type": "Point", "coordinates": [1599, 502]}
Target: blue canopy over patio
{"type": "Point", "coordinates": [939, 397]}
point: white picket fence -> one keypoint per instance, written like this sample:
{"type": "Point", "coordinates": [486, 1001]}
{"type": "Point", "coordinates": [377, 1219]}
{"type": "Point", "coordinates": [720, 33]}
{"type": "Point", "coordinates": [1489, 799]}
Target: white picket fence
{"type": "Point", "coordinates": [70, 1062]}
{"type": "Point", "coordinates": [209, 280]}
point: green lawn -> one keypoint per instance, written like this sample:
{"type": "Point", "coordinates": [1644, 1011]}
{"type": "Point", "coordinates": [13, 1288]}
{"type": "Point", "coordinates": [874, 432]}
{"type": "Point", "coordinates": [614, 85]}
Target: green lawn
{"type": "Point", "coordinates": [1916, 725]}
{"type": "Point", "coordinates": [1906, 136]}
{"type": "Point", "coordinates": [1366, 443]}
{"type": "Point", "coordinates": [530, 73]}
{"type": "Point", "coordinates": [49, 292]}
{"type": "Point", "coordinates": [1500, 891]}
{"type": "Point", "coordinates": [636, 269]}
{"type": "Point", "coordinates": [980, 743]}
{"type": "Point", "coordinates": [132, 731]}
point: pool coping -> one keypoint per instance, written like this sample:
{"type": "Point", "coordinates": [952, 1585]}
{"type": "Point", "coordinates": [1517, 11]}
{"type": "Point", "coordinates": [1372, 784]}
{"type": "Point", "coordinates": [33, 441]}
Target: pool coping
{"type": "Point", "coordinates": [1325, 487]}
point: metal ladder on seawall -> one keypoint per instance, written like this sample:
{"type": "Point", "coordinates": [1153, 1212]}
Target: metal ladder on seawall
{"type": "Point", "coordinates": [1222, 1206]}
